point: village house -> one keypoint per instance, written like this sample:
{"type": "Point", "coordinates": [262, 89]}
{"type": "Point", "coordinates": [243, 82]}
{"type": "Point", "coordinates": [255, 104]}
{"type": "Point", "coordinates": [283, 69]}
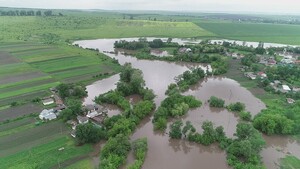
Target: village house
{"type": "Point", "coordinates": [286, 88]}
{"type": "Point", "coordinates": [53, 90]}
{"type": "Point", "coordinates": [47, 115]}
{"type": "Point", "coordinates": [250, 75]}
{"type": "Point", "coordinates": [272, 62]}
{"type": "Point", "coordinates": [287, 61]}
{"type": "Point", "coordinates": [94, 110]}
{"type": "Point", "coordinates": [185, 50]}
{"type": "Point", "coordinates": [262, 75]}
{"type": "Point", "coordinates": [47, 101]}
{"type": "Point", "coordinates": [82, 119]}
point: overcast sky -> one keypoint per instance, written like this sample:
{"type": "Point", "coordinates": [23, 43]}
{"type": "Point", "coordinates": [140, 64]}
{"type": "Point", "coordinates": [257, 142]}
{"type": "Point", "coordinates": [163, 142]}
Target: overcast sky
{"type": "Point", "coordinates": [244, 6]}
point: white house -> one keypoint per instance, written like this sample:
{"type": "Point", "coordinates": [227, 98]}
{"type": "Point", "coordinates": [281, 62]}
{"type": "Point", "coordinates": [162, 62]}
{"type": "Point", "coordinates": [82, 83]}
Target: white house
{"type": "Point", "coordinates": [286, 88]}
{"type": "Point", "coordinates": [47, 115]}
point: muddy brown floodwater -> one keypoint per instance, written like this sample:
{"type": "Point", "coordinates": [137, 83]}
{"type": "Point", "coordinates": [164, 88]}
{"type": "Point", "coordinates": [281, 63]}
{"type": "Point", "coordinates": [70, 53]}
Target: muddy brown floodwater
{"type": "Point", "coordinates": [178, 154]}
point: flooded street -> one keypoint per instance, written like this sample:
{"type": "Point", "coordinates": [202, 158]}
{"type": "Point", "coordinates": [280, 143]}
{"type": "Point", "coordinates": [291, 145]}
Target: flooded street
{"type": "Point", "coordinates": [178, 154]}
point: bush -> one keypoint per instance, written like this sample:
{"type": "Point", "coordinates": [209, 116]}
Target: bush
{"type": "Point", "coordinates": [216, 102]}
{"type": "Point", "coordinates": [245, 115]}
{"type": "Point", "coordinates": [236, 107]}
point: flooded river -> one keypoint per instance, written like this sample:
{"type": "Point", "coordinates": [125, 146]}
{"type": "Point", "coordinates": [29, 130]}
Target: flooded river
{"type": "Point", "coordinates": [178, 154]}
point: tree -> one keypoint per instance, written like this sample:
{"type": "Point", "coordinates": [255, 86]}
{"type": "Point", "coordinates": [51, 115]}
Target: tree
{"type": "Point", "coordinates": [143, 109]}
{"type": "Point", "coordinates": [156, 43]}
{"type": "Point", "coordinates": [209, 134]}
{"type": "Point", "coordinates": [67, 114]}
{"type": "Point", "coordinates": [48, 13]}
{"type": "Point", "coordinates": [89, 133]}
{"type": "Point", "coordinates": [175, 130]}
{"type": "Point", "coordinates": [75, 106]}
{"type": "Point", "coordinates": [160, 124]}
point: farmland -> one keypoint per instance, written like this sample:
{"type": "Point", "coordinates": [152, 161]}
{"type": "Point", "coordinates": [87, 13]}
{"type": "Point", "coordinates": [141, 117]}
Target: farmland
{"type": "Point", "coordinates": [274, 33]}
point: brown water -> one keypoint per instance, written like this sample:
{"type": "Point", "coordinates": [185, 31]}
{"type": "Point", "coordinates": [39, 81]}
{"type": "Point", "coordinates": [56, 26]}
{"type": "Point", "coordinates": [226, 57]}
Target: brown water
{"type": "Point", "coordinates": [278, 147]}
{"type": "Point", "coordinates": [164, 152]}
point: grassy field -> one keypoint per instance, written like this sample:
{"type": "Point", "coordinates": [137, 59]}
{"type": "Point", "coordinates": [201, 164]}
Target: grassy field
{"type": "Point", "coordinates": [290, 162]}
{"type": "Point", "coordinates": [83, 164]}
{"type": "Point", "coordinates": [274, 33]}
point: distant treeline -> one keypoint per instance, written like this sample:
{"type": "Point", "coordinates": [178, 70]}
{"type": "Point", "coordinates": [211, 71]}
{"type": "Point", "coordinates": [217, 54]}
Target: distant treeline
{"type": "Point", "coordinates": [27, 13]}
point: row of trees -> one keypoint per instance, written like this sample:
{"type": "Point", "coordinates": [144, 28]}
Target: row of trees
{"type": "Point", "coordinates": [26, 13]}
{"type": "Point", "coordinates": [140, 148]}
{"type": "Point", "coordinates": [142, 43]}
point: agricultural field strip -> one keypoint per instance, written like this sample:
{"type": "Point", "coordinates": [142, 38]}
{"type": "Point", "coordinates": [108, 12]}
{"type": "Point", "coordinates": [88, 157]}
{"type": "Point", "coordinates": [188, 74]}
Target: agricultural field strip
{"type": "Point", "coordinates": [15, 68]}
{"type": "Point", "coordinates": [26, 85]}
{"type": "Point", "coordinates": [29, 138]}
{"type": "Point", "coordinates": [16, 124]}
{"type": "Point", "coordinates": [77, 71]}
{"type": "Point", "coordinates": [34, 50]}
{"type": "Point", "coordinates": [26, 96]}
{"type": "Point", "coordinates": [23, 82]}
{"type": "Point", "coordinates": [62, 64]}
{"type": "Point", "coordinates": [28, 90]}
{"type": "Point", "coordinates": [45, 155]}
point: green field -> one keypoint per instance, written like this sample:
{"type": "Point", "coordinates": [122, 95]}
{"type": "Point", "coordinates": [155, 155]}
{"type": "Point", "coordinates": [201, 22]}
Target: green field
{"type": "Point", "coordinates": [274, 33]}
{"type": "Point", "coordinates": [290, 162]}
{"type": "Point", "coordinates": [83, 164]}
